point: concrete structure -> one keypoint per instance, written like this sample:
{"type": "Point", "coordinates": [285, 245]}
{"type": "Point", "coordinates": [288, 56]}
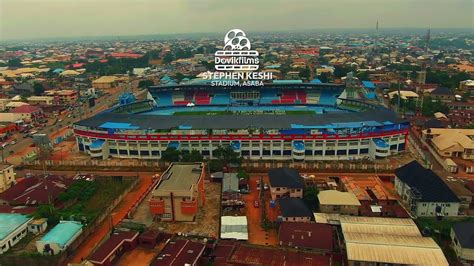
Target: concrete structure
{"type": "Point", "coordinates": [13, 227]}
{"type": "Point", "coordinates": [388, 241]}
{"type": "Point", "coordinates": [38, 226]}
{"type": "Point", "coordinates": [424, 192]}
{"type": "Point", "coordinates": [63, 96]}
{"type": "Point", "coordinates": [45, 100]}
{"type": "Point", "coordinates": [234, 227]}
{"type": "Point", "coordinates": [451, 142]}
{"type": "Point", "coordinates": [179, 193]}
{"type": "Point", "coordinates": [59, 238]}
{"type": "Point", "coordinates": [333, 201]}
{"type": "Point", "coordinates": [285, 182]}
{"type": "Point", "coordinates": [462, 237]}
{"type": "Point", "coordinates": [7, 176]}
{"type": "Point", "coordinates": [329, 129]}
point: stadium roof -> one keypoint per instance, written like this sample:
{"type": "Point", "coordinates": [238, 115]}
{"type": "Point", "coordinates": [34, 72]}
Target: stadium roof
{"type": "Point", "coordinates": [426, 182]}
{"type": "Point", "coordinates": [234, 227]}
{"type": "Point", "coordinates": [9, 222]}
{"type": "Point", "coordinates": [161, 122]}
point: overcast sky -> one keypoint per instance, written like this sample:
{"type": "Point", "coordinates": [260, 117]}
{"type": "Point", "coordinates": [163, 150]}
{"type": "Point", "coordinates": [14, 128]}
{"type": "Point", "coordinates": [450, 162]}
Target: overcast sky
{"type": "Point", "coordinates": [26, 19]}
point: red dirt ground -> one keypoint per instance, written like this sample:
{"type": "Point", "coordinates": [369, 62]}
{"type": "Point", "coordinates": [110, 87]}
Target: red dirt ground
{"type": "Point", "coordinates": [118, 215]}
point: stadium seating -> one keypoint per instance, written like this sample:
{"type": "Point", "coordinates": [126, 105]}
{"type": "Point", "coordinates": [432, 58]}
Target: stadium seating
{"type": "Point", "coordinates": [221, 99]}
{"type": "Point", "coordinates": [165, 98]}
{"type": "Point", "coordinates": [327, 97]}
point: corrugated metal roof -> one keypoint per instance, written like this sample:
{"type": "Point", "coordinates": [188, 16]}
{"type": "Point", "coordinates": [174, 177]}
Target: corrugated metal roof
{"type": "Point", "coordinates": [234, 227]}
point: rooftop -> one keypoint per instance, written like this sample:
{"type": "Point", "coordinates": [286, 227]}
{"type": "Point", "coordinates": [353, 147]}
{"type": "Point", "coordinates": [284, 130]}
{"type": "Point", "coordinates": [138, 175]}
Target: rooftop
{"type": "Point", "coordinates": [294, 207]}
{"type": "Point", "coordinates": [9, 222]}
{"type": "Point", "coordinates": [179, 253]}
{"type": "Point", "coordinates": [62, 233]}
{"type": "Point", "coordinates": [428, 184]}
{"type": "Point", "coordinates": [306, 235]}
{"type": "Point", "coordinates": [234, 227]}
{"type": "Point", "coordinates": [285, 177]}
{"type": "Point", "coordinates": [113, 243]}
{"type": "Point", "coordinates": [389, 240]}
{"type": "Point", "coordinates": [334, 197]}
{"type": "Point", "coordinates": [180, 176]}
{"type": "Point", "coordinates": [465, 234]}
{"type": "Point", "coordinates": [366, 188]}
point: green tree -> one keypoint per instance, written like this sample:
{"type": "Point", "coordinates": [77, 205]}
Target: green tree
{"type": "Point", "coordinates": [145, 83]}
{"type": "Point", "coordinates": [170, 155]}
{"type": "Point", "coordinates": [363, 75]}
{"type": "Point", "coordinates": [305, 73]}
{"type": "Point", "coordinates": [38, 88]}
{"type": "Point", "coordinates": [324, 77]}
{"type": "Point", "coordinates": [193, 156]}
{"type": "Point", "coordinates": [310, 197]}
{"type": "Point", "coordinates": [15, 62]}
{"type": "Point", "coordinates": [227, 155]}
{"type": "Point", "coordinates": [243, 174]}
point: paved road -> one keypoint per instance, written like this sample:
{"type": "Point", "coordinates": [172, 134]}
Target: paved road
{"type": "Point", "coordinates": [81, 112]}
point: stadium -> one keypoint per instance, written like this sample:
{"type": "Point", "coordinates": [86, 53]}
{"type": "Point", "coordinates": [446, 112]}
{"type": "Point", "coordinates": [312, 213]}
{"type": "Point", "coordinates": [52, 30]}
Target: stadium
{"type": "Point", "coordinates": [284, 120]}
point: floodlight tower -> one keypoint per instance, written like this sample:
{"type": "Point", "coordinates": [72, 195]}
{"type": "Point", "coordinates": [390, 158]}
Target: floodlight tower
{"type": "Point", "coordinates": [422, 74]}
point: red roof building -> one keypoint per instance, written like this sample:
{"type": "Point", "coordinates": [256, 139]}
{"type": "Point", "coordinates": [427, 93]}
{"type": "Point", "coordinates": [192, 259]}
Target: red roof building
{"type": "Point", "coordinates": [125, 55]}
{"type": "Point", "coordinates": [114, 247]}
{"type": "Point", "coordinates": [28, 113]}
{"type": "Point", "coordinates": [306, 235]}
{"type": "Point", "coordinates": [179, 253]}
{"type": "Point", "coordinates": [34, 191]}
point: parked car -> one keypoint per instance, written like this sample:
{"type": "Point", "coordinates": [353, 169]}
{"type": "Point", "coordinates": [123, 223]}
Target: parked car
{"type": "Point", "coordinates": [266, 187]}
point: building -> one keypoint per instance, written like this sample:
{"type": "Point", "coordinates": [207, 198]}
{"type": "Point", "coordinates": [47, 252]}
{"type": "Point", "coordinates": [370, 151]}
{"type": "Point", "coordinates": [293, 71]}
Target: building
{"type": "Point", "coordinates": [59, 238]}
{"type": "Point", "coordinates": [462, 237]}
{"type": "Point", "coordinates": [38, 226]}
{"type": "Point", "coordinates": [312, 236]}
{"type": "Point", "coordinates": [424, 192]}
{"type": "Point", "coordinates": [105, 82]}
{"type": "Point", "coordinates": [13, 227]}
{"type": "Point", "coordinates": [179, 193]}
{"type": "Point", "coordinates": [405, 95]}
{"type": "Point", "coordinates": [388, 241]}
{"type": "Point", "coordinates": [294, 210]}
{"type": "Point", "coordinates": [234, 227]}
{"type": "Point", "coordinates": [28, 113]}
{"type": "Point", "coordinates": [285, 182]}
{"type": "Point", "coordinates": [111, 250]}
{"type": "Point", "coordinates": [451, 142]}
{"type": "Point", "coordinates": [35, 191]}
{"type": "Point", "coordinates": [63, 96]}
{"type": "Point", "coordinates": [442, 94]}
{"type": "Point", "coordinates": [178, 253]}
{"type": "Point", "coordinates": [328, 129]}
{"type": "Point", "coordinates": [40, 100]}
{"type": "Point", "coordinates": [230, 182]}
{"type": "Point", "coordinates": [7, 177]}
{"type": "Point", "coordinates": [374, 198]}
{"type": "Point", "coordinates": [333, 201]}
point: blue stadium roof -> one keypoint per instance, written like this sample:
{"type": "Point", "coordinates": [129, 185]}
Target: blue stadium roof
{"type": "Point", "coordinates": [97, 144]}
{"type": "Point", "coordinates": [116, 125]}
{"type": "Point", "coordinates": [368, 84]}
{"type": "Point", "coordinates": [315, 81]}
{"type": "Point", "coordinates": [287, 81]}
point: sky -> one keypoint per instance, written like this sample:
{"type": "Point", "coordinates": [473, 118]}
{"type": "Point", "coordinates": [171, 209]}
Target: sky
{"type": "Point", "coordinates": [30, 19]}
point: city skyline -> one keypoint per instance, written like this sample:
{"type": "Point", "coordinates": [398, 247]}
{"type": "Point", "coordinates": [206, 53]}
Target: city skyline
{"type": "Point", "coordinates": [85, 18]}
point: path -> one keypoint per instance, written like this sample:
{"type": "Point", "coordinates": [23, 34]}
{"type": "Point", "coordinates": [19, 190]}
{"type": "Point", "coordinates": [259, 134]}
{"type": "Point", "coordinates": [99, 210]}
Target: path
{"type": "Point", "coordinates": [118, 214]}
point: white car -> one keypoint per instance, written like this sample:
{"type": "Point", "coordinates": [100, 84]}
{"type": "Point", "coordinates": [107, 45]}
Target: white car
{"type": "Point", "coordinates": [13, 142]}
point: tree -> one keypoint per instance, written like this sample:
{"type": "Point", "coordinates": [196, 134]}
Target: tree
{"type": "Point", "coordinates": [38, 88]}
{"type": "Point", "coordinates": [227, 155]}
{"type": "Point", "coordinates": [305, 73]}
{"type": "Point", "coordinates": [324, 77]}
{"type": "Point", "coordinates": [243, 174]}
{"type": "Point", "coordinates": [171, 155]}
{"type": "Point", "coordinates": [341, 71]}
{"type": "Point", "coordinates": [193, 156]}
{"type": "Point", "coordinates": [15, 62]}
{"type": "Point", "coordinates": [310, 197]}
{"type": "Point", "coordinates": [363, 75]}
{"type": "Point", "coordinates": [145, 83]}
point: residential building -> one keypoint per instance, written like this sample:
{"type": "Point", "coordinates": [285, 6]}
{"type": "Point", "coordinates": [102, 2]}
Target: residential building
{"type": "Point", "coordinates": [28, 113]}
{"type": "Point", "coordinates": [405, 95]}
{"type": "Point", "coordinates": [38, 226]}
{"type": "Point", "coordinates": [105, 82]}
{"type": "Point", "coordinates": [285, 182]}
{"type": "Point", "coordinates": [59, 238]}
{"type": "Point", "coordinates": [294, 210]}
{"type": "Point", "coordinates": [333, 201]}
{"type": "Point", "coordinates": [179, 193]}
{"type": "Point", "coordinates": [63, 96]}
{"type": "Point", "coordinates": [7, 176]}
{"type": "Point", "coordinates": [110, 251]}
{"type": "Point", "coordinates": [374, 198]}
{"type": "Point", "coordinates": [388, 241]}
{"type": "Point", "coordinates": [442, 94]}
{"type": "Point", "coordinates": [13, 227]}
{"type": "Point", "coordinates": [462, 237]}
{"type": "Point", "coordinates": [179, 252]}
{"type": "Point", "coordinates": [40, 100]}
{"type": "Point", "coordinates": [424, 192]}
{"type": "Point", "coordinates": [451, 142]}
{"type": "Point", "coordinates": [312, 236]}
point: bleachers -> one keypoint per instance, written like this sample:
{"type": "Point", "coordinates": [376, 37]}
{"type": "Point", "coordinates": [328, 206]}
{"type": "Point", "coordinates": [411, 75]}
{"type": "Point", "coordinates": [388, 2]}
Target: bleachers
{"type": "Point", "coordinates": [313, 97]}
{"type": "Point", "coordinates": [221, 99]}
{"type": "Point", "coordinates": [327, 97]}
{"type": "Point", "coordinates": [165, 98]}
{"type": "Point", "coordinates": [267, 96]}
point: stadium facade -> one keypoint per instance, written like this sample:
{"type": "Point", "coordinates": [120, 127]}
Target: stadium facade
{"type": "Point", "coordinates": [284, 121]}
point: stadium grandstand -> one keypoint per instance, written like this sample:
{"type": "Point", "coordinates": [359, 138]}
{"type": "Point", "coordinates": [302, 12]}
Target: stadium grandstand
{"type": "Point", "coordinates": [278, 121]}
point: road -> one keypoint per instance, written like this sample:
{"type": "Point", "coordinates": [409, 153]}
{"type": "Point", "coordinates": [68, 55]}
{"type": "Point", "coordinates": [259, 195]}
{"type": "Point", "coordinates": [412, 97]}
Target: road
{"type": "Point", "coordinates": [79, 113]}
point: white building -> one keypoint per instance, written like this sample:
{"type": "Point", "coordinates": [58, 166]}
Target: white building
{"type": "Point", "coordinates": [59, 238]}
{"type": "Point", "coordinates": [13, 227]}
{"type": "Point", "coordinates": [424, 192]}
{"type": "Point", "coordinates": [7, 176]}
